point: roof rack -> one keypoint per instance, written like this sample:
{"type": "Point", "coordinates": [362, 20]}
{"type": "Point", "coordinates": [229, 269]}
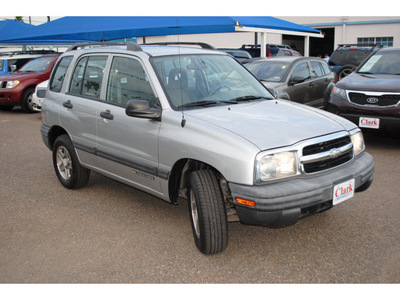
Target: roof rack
{"type": "Point", "coordinates": [202, 45]}
{"type": "Point", "coordinates": [129, 45]}
{"type": "Point", "coordinates": [360, 45]}
{"type": "Point", "coordinates": [268, 45]}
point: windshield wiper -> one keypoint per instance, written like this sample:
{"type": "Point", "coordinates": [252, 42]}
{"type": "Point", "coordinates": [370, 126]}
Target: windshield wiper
{"type": "Point", "coordinates": [198, 103]}
{"type": "Point", "coordinates": [248, 98]}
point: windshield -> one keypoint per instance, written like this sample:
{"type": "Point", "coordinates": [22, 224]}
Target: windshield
{"type": "Point", "coordinates": [203, 80]}
{"type": "Point", "coordinates": [382, 63]}
{"type": "Point", "coordinates": [38, 65]}
{"type": "Point", "coordinates": [273, 71]}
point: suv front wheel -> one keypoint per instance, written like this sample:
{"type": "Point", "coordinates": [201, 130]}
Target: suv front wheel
{"type": "Point", "coordinates": [207, 212]}
{"type": "Point", "coordinates": [66, 164]}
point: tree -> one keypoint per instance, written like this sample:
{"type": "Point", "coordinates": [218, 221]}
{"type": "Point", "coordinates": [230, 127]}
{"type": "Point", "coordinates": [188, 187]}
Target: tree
{"type": "Point", "coordinates": [19, 18]}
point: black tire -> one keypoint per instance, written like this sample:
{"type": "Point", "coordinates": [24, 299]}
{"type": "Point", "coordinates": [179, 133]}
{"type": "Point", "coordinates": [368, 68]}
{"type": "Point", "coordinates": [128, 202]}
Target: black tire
{"type": "Point", "coordinates": [207, 212]}
{"type": "Point", "coordinates": [26, 101]}
{"type": "Point", "coordinates": [345, 71]}
{"type": "Point", "coordinates": [66, 164]}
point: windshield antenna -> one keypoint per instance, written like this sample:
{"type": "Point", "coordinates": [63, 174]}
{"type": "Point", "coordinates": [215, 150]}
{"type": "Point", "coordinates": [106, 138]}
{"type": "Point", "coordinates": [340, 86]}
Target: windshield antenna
{"type": "Point", "coordinates": [183, 123]}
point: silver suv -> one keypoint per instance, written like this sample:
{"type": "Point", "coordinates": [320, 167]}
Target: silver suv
{"type": "Point", "coordinates": [191, 123]}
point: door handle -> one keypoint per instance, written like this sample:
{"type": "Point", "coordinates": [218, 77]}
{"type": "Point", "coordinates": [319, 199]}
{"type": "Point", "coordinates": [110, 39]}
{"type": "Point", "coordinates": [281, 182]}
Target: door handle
{"type": "Point", "coordinates": [107, 115]}
{"type": "Point", "coordinates": [68, 104]}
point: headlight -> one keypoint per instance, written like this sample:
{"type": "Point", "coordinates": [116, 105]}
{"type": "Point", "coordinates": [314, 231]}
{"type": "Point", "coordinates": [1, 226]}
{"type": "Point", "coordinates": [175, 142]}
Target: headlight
{"type": "Point", "coordinates": [338, 92]}
{"type": "Point", "coordinates": [275, 165]}
{"type": "Point", "coordinates": [11, 84]}
{"type": "Point", "coordinates": [358, 143]}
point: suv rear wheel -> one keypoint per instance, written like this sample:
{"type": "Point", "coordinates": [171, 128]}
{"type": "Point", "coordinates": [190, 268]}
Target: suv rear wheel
{"type": "Point", "coordinates": [66, 164]}
{"type": "Point", "coordinates": [207, 212]}
{"type": "Point", "coordinates": [344, 71]}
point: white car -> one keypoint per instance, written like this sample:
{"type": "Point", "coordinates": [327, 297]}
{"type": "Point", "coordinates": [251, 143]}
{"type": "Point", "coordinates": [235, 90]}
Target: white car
{"type": "Point", "coordinates": [38, 95]}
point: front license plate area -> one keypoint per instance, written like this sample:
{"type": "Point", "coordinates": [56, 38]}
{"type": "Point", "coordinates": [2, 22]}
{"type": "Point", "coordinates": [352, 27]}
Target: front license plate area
{"type": "Point", "coordinates": [368, 122]}
{"type": "Point", "coordinates": [343, 191]}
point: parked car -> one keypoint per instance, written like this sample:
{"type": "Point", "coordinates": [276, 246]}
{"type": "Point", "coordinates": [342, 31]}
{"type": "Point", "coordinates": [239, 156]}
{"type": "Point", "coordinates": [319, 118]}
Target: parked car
{"type": "Point", "coordinates": [347, 57]}
{"type": "Point", "coordinates": [370, 96]}
{"type": "Point", "coordinates": [194, 124]}
{"type": "Point", "coordinates": [12, 61]}
{"type": "Point", "coordinates": [306, 80]}
{"type": "Point", "coordinates": [38, 95]}
{"type": "Point", "coordinates": [272, 50]}
{"type": "Point", "coordinates": [239, 55]}
{"type": "Point", "coordinates": [16, 89]}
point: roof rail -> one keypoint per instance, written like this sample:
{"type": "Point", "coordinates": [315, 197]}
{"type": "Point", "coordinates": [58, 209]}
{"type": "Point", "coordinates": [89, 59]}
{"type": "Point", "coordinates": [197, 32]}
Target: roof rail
{"type": "Point", "coordinates": [129, 45]}
{"type": "Point", "coordinates": [202, 45]}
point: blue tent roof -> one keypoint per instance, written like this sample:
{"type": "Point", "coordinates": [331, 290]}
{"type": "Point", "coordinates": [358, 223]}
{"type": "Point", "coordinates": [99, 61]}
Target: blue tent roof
{"type": "Point", "coordinates": [69, 29]}
{"type": "Point", "coordinates": [11, 28]}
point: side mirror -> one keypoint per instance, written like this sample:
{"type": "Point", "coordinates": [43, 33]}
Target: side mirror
{"type": "Point", "coordinates": [13, 68]}
{"type": "Point", "coordinates": [297, 79]}
{"type": "Point", "coordinates": [141, 109]}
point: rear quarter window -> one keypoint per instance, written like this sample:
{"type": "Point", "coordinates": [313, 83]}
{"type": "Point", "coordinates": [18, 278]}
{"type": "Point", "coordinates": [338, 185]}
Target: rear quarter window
{"type": "Point", "coordinates": [58, 76]}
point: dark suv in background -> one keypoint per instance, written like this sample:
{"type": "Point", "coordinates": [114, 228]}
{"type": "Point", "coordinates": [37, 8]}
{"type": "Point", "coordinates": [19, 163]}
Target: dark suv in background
{"type": "Point", "coordinates": [348, 56]}
{"type": "Point", "coordinates": [370, 96]}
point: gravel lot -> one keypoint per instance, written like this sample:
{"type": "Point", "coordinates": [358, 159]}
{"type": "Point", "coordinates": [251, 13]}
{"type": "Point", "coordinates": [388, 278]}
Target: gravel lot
{"type": "Point", "coordinates": [108, 232]}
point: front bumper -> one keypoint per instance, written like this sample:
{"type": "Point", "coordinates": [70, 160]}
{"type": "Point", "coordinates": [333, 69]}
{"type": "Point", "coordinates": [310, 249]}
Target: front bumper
{"type": "Point", "coordinates": [389, 116]}
{"type": "Point", "coordinates": [283, 203]}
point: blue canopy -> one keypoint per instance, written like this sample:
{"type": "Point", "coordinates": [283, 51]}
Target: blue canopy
{"type": "Point", "coordinates": [67, 29]}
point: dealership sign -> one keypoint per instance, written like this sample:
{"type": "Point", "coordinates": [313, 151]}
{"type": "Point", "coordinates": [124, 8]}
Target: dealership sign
{"type": "Point", "coordinates": [343, 191]}
{"type": "Point", "coordinates": [368, 122]}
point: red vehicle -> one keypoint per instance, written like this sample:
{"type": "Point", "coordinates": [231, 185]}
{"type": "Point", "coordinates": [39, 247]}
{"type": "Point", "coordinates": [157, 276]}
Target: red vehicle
{"type": "Point", "coordinates": [16, 89]}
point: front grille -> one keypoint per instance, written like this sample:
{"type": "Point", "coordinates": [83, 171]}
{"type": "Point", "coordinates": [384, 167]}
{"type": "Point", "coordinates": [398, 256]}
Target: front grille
{"type": "Point", "coordinates": [325, 148]}
{"type": "Point", "coordinates": [381, 100]}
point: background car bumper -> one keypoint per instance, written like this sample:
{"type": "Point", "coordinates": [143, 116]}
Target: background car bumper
{"type": "Point", "coordinates": [389, 116]}
{"type": "Point", "coordinates": [283, 203]}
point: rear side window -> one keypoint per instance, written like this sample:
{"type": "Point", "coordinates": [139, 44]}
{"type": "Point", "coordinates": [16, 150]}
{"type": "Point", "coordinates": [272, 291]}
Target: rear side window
{"type": "Point", "coordinates": [57, 79]}
{"type": "Point", "coordinates": [88, 76]}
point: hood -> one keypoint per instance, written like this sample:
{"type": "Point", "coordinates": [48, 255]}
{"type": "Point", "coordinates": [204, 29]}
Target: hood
{"type": "Point", "coordinates": [18, 76]}
{"type": "Point", "coordinates": [274, 123]}
{"type": "Point", "coordinates": [371, 82]}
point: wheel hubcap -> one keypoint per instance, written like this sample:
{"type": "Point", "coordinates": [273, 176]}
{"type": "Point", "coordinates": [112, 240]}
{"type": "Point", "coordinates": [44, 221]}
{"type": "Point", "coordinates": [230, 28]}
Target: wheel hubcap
{"type": "Point", "coordinates": [195, 214]}
{"type": "Point", "coordinates": [64, 162]}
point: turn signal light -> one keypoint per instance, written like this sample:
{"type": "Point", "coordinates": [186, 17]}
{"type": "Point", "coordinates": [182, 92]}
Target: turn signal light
{"type": "Point", "coordinates": [245, 202]}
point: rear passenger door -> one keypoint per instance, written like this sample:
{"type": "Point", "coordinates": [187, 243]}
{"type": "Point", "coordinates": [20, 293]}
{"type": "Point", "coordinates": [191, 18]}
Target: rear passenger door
{"type": "Point", "coordinates": [79, 113]}
{"type": "Point", "coordinates": [128, 146]}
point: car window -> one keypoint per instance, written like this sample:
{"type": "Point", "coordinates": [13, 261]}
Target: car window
{"type": "Point", "coordinates": [213, 79]}
{"type": "Point", "coordinates": [382, 63]}
{"type": "Point", "coordinates": [316, 69]}
{"type": "Point", "coordinates": [273, 71]}
{"type": "Point", "coordinates": [38, 65]}
{"type": "Point", "coordinates": [301, 71]}
{"type": "Point", "coordinates": [88, 76]}
{"type": "Point", "coordinates": [59, 74]}
{"type": "Point", "coordinates": [344, 57]}
{"type": "Point", "coordinates": [17, 62]}
{"type": "Point", "coordinates": [286, 52]}
{"type": "Point", "coordinates": [128, 81]}
{"type": "Point", "coordinates": [326, 68]}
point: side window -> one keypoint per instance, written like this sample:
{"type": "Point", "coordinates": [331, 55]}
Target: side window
{"type": "Point", "coordinates": [326, 68]}
{"type": "Point", "coordinates": [301, 71]}
{"type": "Point", "coordinates": [58, 76]}
{"type": "Point", "coordinates": [128, 81]}
{"type": "Point", "coordinates": [316, 69]}
{"type": "Point", "coordinates": [88, 76]}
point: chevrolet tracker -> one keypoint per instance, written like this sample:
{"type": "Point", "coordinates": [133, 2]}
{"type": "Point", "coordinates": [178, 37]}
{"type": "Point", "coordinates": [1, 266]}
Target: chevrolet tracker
{"type": "Point", "coordinates": [194, 124]}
